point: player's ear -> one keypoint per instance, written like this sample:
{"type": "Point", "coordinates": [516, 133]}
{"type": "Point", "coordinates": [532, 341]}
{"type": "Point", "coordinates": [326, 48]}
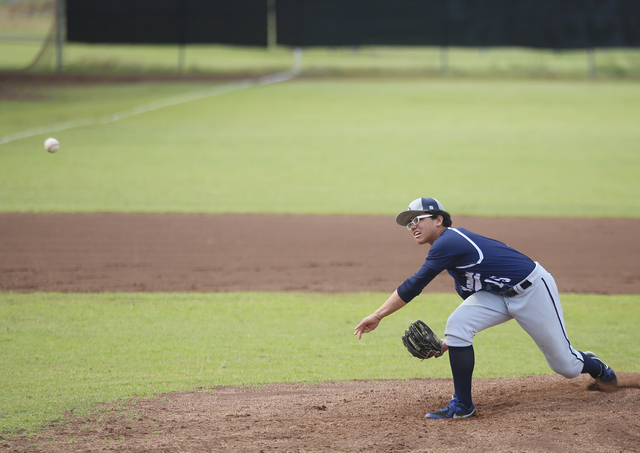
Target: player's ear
{"type": "Point", "coordinates": [439, 219]}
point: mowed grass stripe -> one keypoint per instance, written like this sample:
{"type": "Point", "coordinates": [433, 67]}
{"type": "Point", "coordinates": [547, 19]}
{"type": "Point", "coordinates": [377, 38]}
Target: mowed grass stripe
{"type": "Point", "coordinates": [526, 148]}
{"type": "Point", "coordinates": [149, 107]}
{"type": "Point", "coordinates": [63, 352]}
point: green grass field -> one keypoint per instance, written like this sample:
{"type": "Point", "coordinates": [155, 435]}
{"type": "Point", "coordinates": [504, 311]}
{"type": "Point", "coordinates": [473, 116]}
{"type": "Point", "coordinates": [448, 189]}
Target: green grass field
{"type": "Point", "coordinates": [511, 133]}
{"type": "Point", "coordinates": [609, 64]}
{"type": "Point", "coordinates": [537, 148]}
{"type": "Point", "coordinates": [70, 352]}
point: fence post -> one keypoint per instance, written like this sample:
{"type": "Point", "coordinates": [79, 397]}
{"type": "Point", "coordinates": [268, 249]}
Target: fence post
{"type": "Point", "coordinates": [591, 63]}
{"type": "Point", "coordinates": [59, 40]}
{"type": "Point", "coordinates": [272, 37]}
{"type": "Point", "coordinates": [182, 49]}
{"type": "Point", "coordinates": [444, 37]}
{"type": "Point", "coordinates": [444, 60]}
{"type": "Point", "coordinates": [297, 60]}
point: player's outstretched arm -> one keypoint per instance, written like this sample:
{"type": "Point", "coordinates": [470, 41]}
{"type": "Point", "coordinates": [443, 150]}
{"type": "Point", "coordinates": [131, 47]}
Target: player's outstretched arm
{"type": "Point", "coordinates": [393, 304]}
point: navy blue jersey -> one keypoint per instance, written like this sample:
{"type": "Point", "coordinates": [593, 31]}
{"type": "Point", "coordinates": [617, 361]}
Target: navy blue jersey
{"type": "Point", "coordinates": [475, 262]}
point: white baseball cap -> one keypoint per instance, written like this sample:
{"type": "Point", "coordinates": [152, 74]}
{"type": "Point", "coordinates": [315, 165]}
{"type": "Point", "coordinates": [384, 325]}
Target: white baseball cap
{"type": "Point", "coordinates": [416, 207]}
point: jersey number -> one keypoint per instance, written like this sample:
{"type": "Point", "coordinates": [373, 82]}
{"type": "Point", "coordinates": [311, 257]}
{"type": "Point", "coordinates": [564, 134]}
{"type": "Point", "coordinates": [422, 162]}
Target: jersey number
{"type": "Point", "coordinates": [473, 282]}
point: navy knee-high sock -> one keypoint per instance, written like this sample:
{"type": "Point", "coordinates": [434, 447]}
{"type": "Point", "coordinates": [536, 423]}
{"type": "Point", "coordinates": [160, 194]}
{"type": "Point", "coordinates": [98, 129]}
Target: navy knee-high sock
{"type": "Point", "coordinates": [462, 361]}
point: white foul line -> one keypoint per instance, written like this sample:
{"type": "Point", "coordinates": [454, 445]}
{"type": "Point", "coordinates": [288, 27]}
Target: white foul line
{"type": "Point", "coordinates": [151, 106]}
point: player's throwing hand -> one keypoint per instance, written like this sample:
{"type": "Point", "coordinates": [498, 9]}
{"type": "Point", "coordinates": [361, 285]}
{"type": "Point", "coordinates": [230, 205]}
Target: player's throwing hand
{"type": "Point", "coordinates": [366, 325]}
{"type": "Point", "coordinates": [393, 304]}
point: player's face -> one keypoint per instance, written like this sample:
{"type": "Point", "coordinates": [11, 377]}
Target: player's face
{"type": "Point", "coordinates": [427, 230]}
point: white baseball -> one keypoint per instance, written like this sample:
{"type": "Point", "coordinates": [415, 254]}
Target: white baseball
{"type": "Point", "coordinates": [52, 145]}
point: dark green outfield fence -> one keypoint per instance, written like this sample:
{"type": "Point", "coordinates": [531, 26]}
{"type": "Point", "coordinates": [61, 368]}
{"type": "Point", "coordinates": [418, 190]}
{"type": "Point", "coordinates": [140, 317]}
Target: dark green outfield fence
{"type": "Point", "coordinates": [552, 24]}
{"type": "Point", "coordinates": [241, 22]}
{"type": "Point", "coordinates": [555, 24]}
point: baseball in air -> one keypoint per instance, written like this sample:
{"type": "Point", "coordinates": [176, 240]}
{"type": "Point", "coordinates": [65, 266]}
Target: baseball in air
{"type": "Point", "coordinates": [52, 145]}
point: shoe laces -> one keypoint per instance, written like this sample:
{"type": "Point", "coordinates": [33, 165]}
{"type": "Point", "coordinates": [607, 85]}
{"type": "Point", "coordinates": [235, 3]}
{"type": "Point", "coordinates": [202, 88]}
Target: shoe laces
{"type": "Point", "coordinates": [455, 405]}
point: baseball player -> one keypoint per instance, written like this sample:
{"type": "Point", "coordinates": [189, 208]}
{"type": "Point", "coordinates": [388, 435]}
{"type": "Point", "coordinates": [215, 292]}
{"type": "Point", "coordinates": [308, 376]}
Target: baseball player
{"type": "Point", "coordinates": [497, 283]}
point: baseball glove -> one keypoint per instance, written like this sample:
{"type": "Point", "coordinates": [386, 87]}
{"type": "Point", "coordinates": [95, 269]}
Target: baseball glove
{"type": "Point", "coordinates": [421, 342]}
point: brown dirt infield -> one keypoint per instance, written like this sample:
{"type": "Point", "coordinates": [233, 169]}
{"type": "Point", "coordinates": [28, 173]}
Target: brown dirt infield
{"type": "Point", "coordinates": [197, 252]}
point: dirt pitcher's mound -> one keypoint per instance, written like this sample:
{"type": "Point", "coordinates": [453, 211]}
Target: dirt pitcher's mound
{"type": "Point", "coordinates": [192, 252]}
{"type": "Point", "coordinates": [532, 414]}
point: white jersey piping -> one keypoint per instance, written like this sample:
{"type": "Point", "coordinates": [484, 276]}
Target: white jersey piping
{"type": "Point", "coordinates": [472, 243]}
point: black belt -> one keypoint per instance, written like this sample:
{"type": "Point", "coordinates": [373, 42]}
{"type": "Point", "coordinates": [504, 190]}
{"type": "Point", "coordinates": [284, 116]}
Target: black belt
{"type": "Point", "coordinates": [512, 292]}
